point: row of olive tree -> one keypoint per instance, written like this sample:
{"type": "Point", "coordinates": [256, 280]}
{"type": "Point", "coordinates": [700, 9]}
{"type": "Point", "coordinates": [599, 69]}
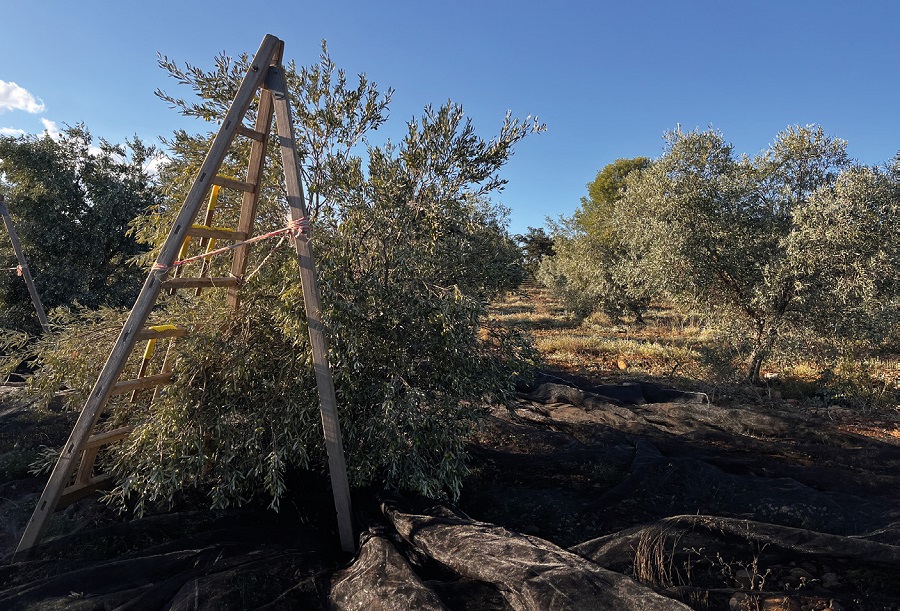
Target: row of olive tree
{"type": "Point", "coordinates": [794, 246]}
{"type": "Point", "coordinates": [409, 251]}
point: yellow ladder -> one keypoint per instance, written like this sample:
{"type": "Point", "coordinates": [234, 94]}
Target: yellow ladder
{"type": "Point", "coordinates": [265, 76]}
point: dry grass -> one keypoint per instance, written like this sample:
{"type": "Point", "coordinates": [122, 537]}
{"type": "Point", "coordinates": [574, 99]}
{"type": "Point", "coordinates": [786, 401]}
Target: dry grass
{"type": "Point", "coordinates": [670, 347]}
{"type": "Point", "coordinates": [654, 559]}
{"type": "Point", "coordinates": [666, 345]}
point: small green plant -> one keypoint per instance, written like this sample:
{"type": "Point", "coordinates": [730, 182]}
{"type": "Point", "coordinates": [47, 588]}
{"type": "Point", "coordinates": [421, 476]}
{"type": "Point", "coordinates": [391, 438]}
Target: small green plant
{"type": "Point", "coordinates": [45, 461]}
{"type": "Point", "coordinates": [12, 345]}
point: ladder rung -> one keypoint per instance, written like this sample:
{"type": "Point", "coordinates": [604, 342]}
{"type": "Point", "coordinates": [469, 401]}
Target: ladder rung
{"type": "Point", "coordinates": [126, 386]}
{"type": "Point", "coordinates": [243, 130]}
{"type": "Point", "coordinates": [148, 333]}
{"type": "Point", "coordinates": [230, 183]}
{"type": "Point", "coordinates": [103, 439]}
{"type": "Point", "coordinates": [79, 491]}
{"type": "Point", "coordinates": [193, 283]}
{"type": "Point", "coordinates": [219, 233]}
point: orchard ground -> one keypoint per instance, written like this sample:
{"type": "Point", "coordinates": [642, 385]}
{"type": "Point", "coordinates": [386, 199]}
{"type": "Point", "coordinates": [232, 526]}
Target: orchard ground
{"type": "Point", "coordinates": [625, 459]}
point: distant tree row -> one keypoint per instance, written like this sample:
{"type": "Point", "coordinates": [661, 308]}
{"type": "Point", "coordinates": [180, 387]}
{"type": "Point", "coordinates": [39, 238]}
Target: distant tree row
{"type": "Point", "coordinates": [793, 247]}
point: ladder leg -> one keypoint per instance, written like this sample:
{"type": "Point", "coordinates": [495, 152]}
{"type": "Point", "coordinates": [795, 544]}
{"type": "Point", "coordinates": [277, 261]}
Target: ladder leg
{"type": "Point", "coordinates": [145, 362]}
{"type": "Point", "coordinates": [23, 265]}
{"type": "Point", "coordinates": [94, 405]}
{"type": "Point", "coordinates": [167, 366]}
{"type": "Point", "coordinates": [327, 401]}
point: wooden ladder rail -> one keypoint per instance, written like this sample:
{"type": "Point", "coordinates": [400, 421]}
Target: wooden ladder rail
{"type": "Point", "coordinates": [277, 84]}
{"type": "Point", "coordinates": [249, 200]}
{"type": "Point", "coordinates": [269, 53]}
{"type": "Point", "coordinates": [23, 265]}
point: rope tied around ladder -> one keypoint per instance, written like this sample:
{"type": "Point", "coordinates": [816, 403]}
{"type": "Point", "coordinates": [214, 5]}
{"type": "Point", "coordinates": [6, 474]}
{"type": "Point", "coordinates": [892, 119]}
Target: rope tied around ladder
{"type": "Point", "coordinates": [293, 229]}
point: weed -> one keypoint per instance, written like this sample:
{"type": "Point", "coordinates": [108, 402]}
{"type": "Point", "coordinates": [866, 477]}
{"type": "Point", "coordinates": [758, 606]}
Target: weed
{"type": "Point", "coordinates": [44, 461]}
{"type": "Point", "coordinates": [874, 580]}
{"type": "Point", "coordinates": [654, 560]}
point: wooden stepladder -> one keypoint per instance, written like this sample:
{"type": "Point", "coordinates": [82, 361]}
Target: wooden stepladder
{"type": "Point", "coordinates": [23, 268]}
{"type": "Point", "coordinates": [266, 76]}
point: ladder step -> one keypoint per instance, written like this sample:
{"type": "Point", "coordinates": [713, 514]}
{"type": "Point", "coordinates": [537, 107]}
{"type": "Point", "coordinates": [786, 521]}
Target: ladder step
{"type": "Point", "coordinates": [80, 490]}
{"type": "Point", "coordinates": [219, 233]}
{"type": "Point", "coordinates": [126, 386]}
{"type": "Point", "coordinates": [168, 331]}
{"type": "Point", "coordinates": [243, 130]}
{"type": "Point", "coordinates": [104, 439]}
{"type": "Point", "coordinates": [193, 283]}
{"type": "Point", "coordinates": [230, 183]}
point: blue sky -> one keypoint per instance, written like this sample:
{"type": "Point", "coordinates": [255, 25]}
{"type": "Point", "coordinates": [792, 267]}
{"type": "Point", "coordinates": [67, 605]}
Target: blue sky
{"type": "Point", "coordinates": [608, 78]}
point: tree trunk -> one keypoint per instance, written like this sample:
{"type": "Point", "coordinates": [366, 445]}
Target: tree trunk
{"type": "Point", "coordinates": [765, 342]}
{"type": "Point", "coordinates": [756, 359]}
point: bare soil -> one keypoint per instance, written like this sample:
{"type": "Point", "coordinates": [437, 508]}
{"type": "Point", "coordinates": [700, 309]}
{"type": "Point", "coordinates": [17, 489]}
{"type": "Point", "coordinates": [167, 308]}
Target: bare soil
{"type": "Point", "coordinates": [742, 505]}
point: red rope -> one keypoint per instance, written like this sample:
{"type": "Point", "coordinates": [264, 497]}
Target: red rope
{"type": "Point", "coordinates": [294, 228]}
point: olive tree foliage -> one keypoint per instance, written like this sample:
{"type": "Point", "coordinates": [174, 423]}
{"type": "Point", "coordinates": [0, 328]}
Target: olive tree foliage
{"type": "Point", "coordinates": [409, 249]}
{"type": "Point", "coordinates": [71, 204]}
{"type": "Point", "coordinates": [786, 246]}
{"type": "Point", "coordinates": [846, 248]}
{"type": "Point", "coordinates": [593, 269]}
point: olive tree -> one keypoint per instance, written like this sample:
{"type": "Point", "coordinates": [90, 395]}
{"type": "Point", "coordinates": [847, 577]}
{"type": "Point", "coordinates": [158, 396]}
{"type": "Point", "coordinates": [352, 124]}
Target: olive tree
{"type": "Point", "coordinates": [846, 252]}
{"type": "Point", "coordinates": [745, 239]}
{"type": "Point", "coordinates": [593, 269]}
{"type": "Point", "coordinates": [409, 250]}
{"type": "Point", "coordinates": [72, 203]}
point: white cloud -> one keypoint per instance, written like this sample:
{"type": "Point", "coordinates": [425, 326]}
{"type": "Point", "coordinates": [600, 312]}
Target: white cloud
{"type": "Point", "coordinates": [13, 97]}
{"type": "Point", "coordinates": [152, 166]}
{"type": "Point", "coordinates": [11, 131]}
{"type": "Point", "coordinates": [51, 128]}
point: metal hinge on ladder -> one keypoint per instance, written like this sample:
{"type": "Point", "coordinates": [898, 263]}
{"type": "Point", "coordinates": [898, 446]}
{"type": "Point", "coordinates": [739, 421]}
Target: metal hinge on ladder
{"type": "Point", "coordinates": [266, 76]}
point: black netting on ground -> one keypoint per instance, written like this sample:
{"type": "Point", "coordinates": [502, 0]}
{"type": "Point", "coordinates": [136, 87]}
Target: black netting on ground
{"type": "Point", "coordinates": [634, 496]}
